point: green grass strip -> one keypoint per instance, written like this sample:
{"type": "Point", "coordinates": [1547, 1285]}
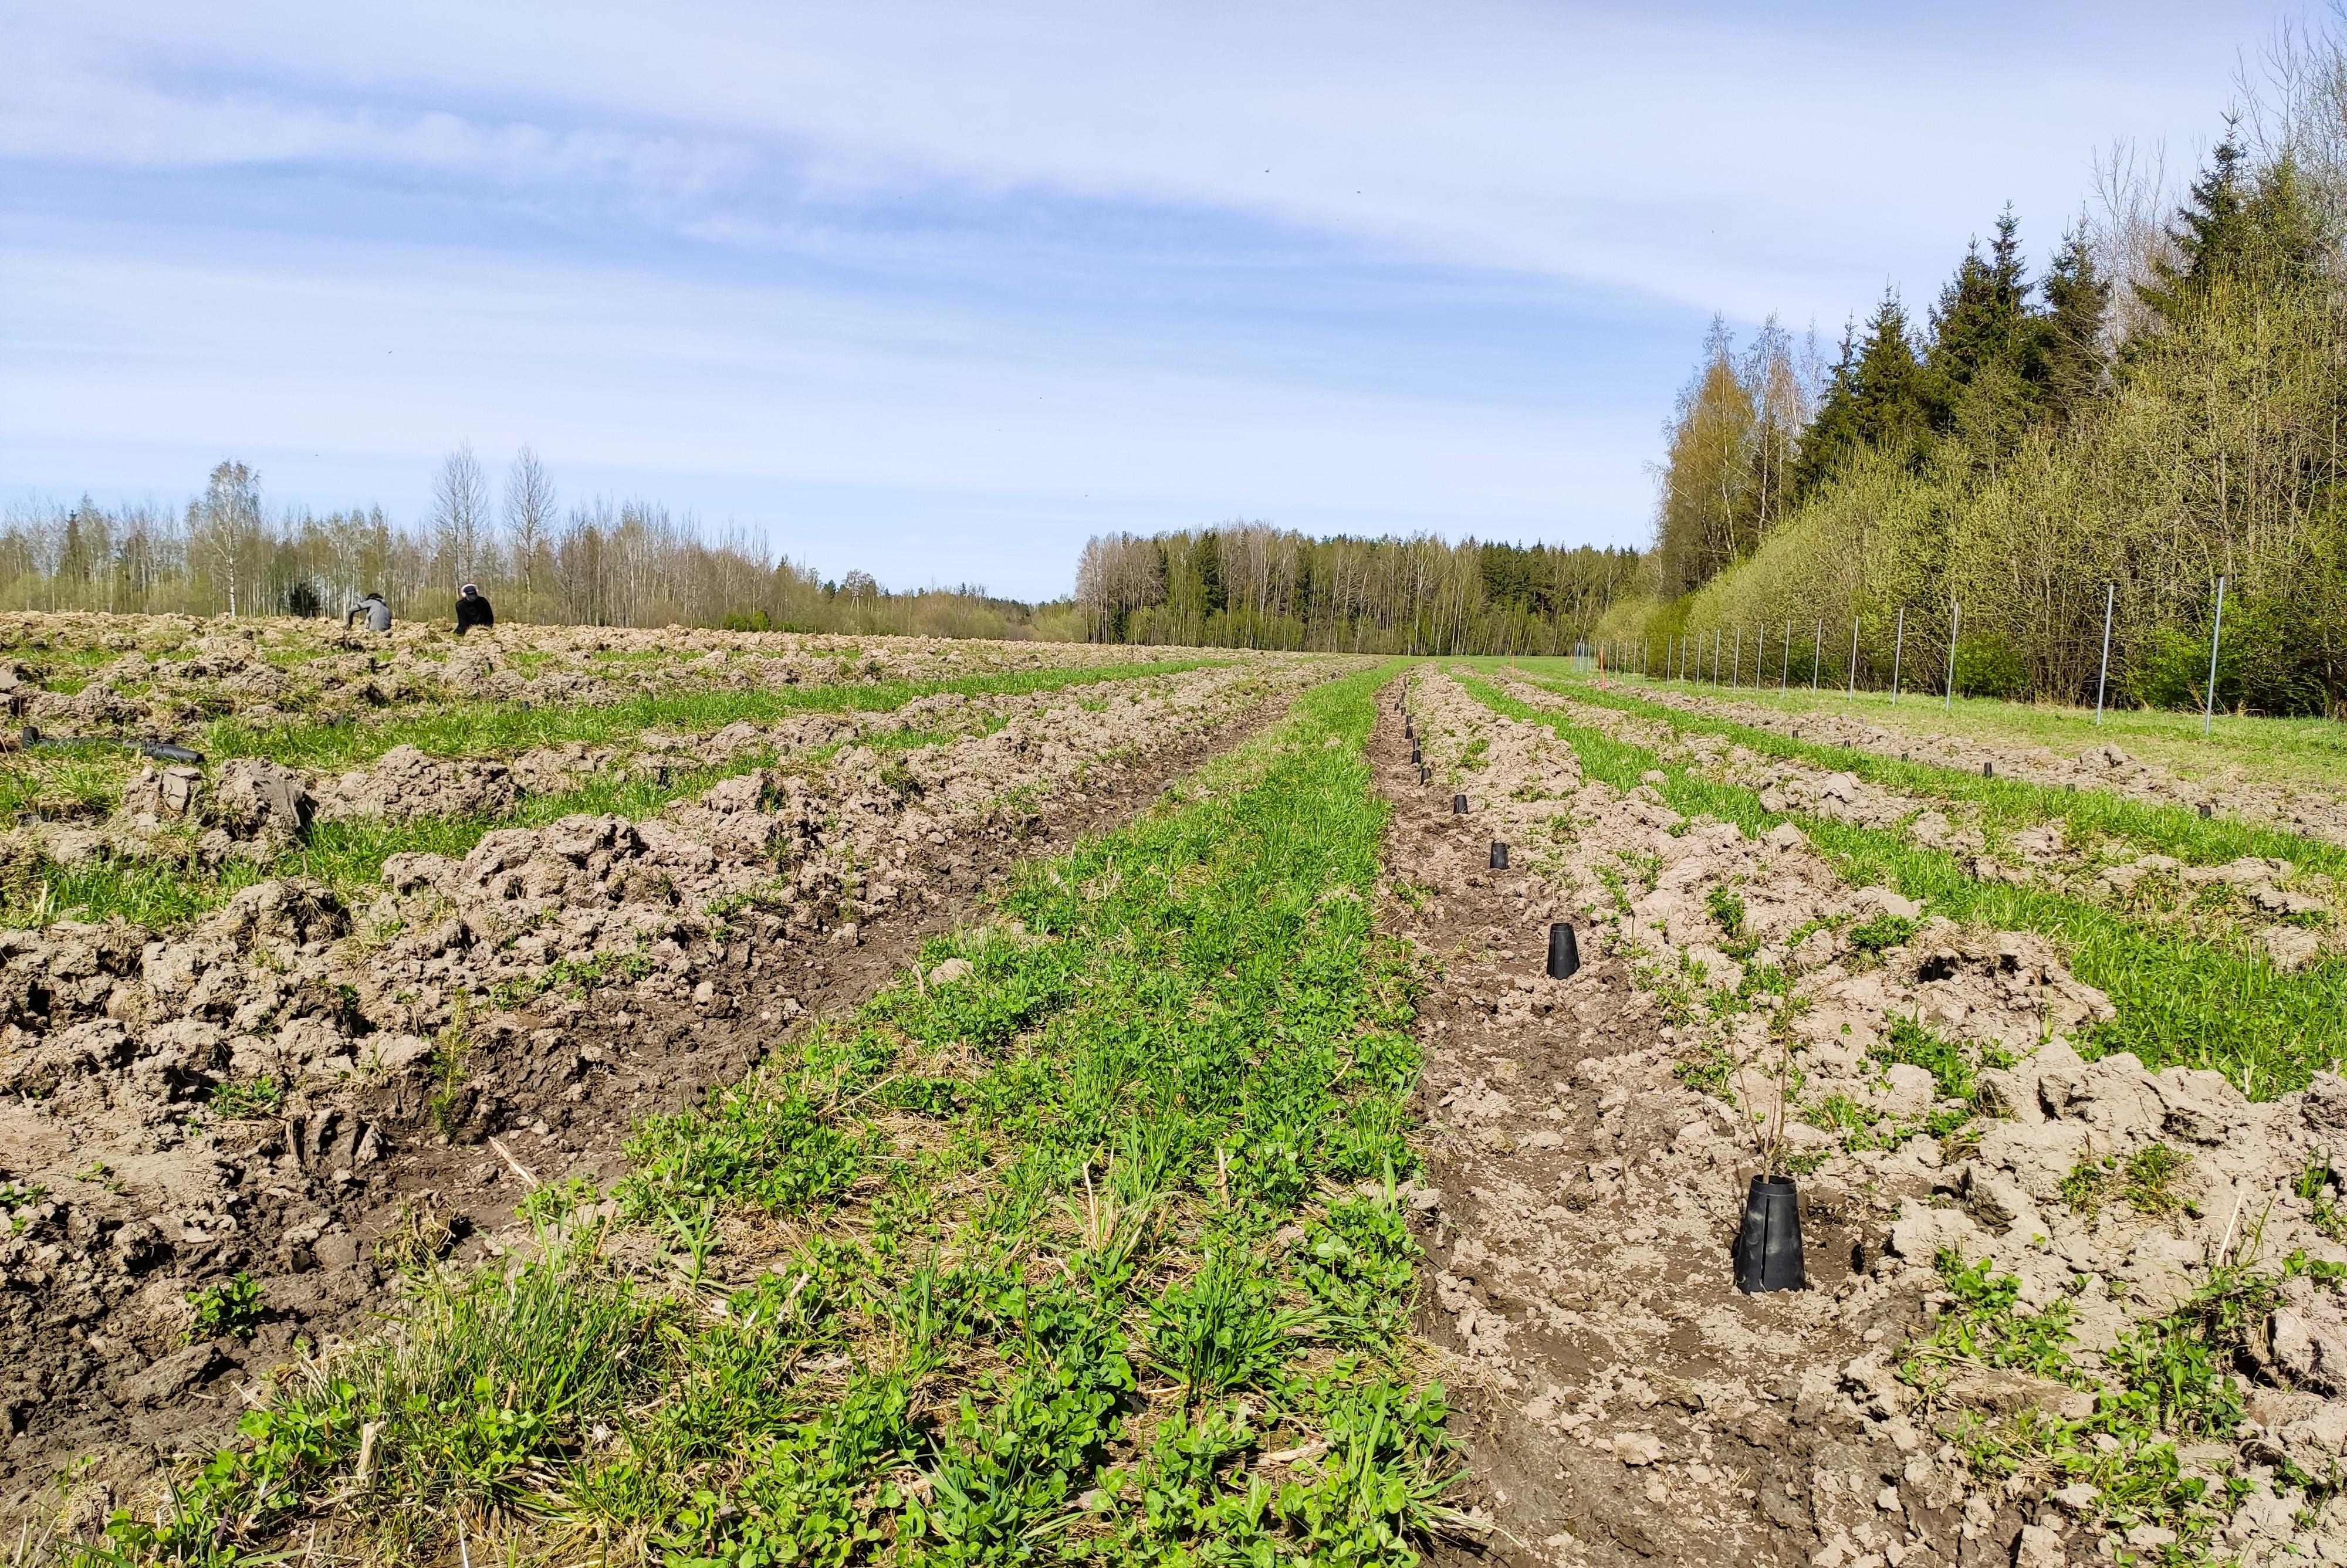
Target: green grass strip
{"type": "Point", "coordinates": [2087, 816]}
{"type": "Point", "coordinates": [1081, 1250]}
{"type": "Point", "coordinates": [503, 729]}
{"type": "Point", "coordinates": [2178, 1001]}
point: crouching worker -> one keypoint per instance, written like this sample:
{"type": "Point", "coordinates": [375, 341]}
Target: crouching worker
{"type": "Point", "coordinates": [473, 610]}
{"type": "Point", "coordinates": [371, 610]}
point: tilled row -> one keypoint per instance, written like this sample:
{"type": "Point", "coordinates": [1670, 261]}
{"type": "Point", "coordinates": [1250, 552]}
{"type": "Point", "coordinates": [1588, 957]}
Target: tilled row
{"type": "Point", "coordinates": [162, 674]}
{"type": "Point", "coordinates": [2003, 1235]}
{"type": "Point", "coordinates": [2318, 814]}
{"type": "Point", "coordinates": [1081, 1240]}
{"type": "Point", "coordinates": [90, 691]}
{"type": "Point", "coordinates": [262, 1094]}
{"type": "Point", "coordinates": [2261, 903]}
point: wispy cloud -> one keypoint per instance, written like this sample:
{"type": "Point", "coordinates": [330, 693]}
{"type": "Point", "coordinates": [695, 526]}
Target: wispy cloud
{"type": "Point", "coordinates": [1430, 264]}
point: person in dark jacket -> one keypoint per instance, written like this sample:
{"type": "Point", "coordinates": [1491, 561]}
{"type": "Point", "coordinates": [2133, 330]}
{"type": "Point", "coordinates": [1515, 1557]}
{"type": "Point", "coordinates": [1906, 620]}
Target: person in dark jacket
{"type": "Point", "coordinates": [473, 610]}
{"type": "Point", "coordinates": [371, 610]}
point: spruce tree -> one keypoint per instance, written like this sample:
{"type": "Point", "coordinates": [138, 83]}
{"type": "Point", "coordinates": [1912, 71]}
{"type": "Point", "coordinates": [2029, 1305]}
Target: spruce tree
{"type": "Point", "coordinates": [1877, 399]}
{"type": "Point", "coordinates": [2066, 361]}
{"type": "Point", "coordinates": [1832, 435]}
{"type": "Point", "coordinates": [2214, 236]}
{"type": "Point", "coordinates": [1887, 392]}
{"type": "Point", "coordinates": [1975, 376]}
{"type": "Point", "coordinates": [2286, 229]}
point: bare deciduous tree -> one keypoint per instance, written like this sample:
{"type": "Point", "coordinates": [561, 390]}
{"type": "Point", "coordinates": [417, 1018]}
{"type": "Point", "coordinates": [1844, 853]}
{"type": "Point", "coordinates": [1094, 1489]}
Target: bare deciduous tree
{"type": "Point", "coordinates": [529, 517]}
{"type": "Point", "coordinates": [460, 516]}
{"type": "Point", "coordinates": [225, 527]}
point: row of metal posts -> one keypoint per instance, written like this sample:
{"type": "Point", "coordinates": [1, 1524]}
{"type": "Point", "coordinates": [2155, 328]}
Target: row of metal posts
{"type": "Point", "coordinates": [1679, 651]}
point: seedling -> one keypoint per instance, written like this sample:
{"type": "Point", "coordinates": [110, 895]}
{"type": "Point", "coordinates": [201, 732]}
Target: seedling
{"type": "Point", "coordinates": [246, 1099]}
{"type": "Point", "coordinates": [2145, 1180]}
{"type": "Point", "coordinates": [1881, 933]}
{"type": "Point", "coordinates": [233, 1307]}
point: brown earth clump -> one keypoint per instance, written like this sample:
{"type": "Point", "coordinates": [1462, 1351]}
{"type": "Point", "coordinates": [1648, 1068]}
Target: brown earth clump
{"type": "Point", "coordinates": [1593, 1137]}
{"type": "Point", "coordinates": [2294, 915]}
{"type": "Point", "coordinates": [281, 1088]}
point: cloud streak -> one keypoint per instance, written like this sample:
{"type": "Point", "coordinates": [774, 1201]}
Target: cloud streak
{"type": "Point", "coordinates": [1393, 262]}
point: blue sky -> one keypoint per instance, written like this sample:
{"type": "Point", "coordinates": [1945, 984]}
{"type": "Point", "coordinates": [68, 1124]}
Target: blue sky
{"type": "Point", "coordinates": [940, 290]}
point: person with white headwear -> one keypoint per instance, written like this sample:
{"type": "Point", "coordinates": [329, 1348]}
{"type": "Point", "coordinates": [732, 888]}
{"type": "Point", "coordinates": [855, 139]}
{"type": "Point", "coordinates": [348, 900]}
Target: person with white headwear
{"type": "Point", "coordinates": [473, 610]}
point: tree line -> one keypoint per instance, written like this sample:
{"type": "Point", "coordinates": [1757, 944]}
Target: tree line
{"type": "Point", "coordinates": [1250, 585]}
{"type": "Point", "coordinates": [602, 563]}
{"type": "Point", "coordinates": [2159, 409]}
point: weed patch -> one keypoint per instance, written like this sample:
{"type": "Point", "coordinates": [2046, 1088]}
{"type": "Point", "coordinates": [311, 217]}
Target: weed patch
{"type": "Point", "coordinates": [234, 1307]}
{"type": "Point", "coordinates": [2176, 1378]}
{"type": "Point", "coordinates": [2145, 1181]}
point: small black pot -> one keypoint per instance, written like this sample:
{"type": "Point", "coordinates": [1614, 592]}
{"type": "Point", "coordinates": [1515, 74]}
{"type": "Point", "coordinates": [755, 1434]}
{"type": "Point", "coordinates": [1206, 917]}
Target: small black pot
{"type": "Point", "coordinates": [1408, 730]}
{"type": "Point", "coordinates": [1563, 952]}
{"type": "Point", "coordinates": [1425, 773]}
{"type": "Point", "coordinates": [1499, 855]}
{"type": "Point", "coordinates": [1458, 806]}
{"type": "Point", "coordinates": [1768, 1248]}
{"type": "Point", "coordinates": [1414, 756]}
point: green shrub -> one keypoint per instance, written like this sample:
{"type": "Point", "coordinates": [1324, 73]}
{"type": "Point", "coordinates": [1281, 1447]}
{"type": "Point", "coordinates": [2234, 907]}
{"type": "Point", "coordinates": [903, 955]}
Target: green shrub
{"type": "Point", "coordinates": [1988, 665]}
{"type": "Point", "coordinates": [2172, 671]}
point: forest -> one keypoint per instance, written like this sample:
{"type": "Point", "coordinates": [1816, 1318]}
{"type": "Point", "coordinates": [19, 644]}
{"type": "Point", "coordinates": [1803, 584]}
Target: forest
{"type": "Point", "coordinates": [2103, 439]}
{"type": "Point", "coordinates": [1253, 585]}
{"type": "Point", "coordinates": [2156, 410]}
{"type": "Point", "coordinates": [602, 563]}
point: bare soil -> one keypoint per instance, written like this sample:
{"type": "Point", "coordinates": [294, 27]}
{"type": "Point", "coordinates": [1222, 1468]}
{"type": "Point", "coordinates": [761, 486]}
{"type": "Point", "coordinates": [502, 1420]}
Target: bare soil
{"type": "Point", "coordinates": [100, 1379]}
{"type": "Point", "coordinates": [1618, 1400]}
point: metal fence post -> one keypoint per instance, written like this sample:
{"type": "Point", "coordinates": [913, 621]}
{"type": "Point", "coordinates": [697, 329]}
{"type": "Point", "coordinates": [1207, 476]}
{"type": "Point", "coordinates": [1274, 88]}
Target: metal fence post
{"type": "Point", "coordinates": [2215, 636]}
{"type": "Point", "coordinates": [1738, 673]}
{"type": "Point", "coordinates": [1816, 653]}
{"type": "Point", "coordinates": [1785, 663]}
{"type": "Point", "coordinates": [1760, 656]}
{"type": "Point", "coordinates": [2110, 596]}
{"type": "Point", "coordinates": [1955, 626]}
{"type": "Point", "coordinates": [1898, 649]}
{"type": "Point", "coordinates": [1715, 658]}
{"type": "Point", "coordinates": [1853, 656]}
